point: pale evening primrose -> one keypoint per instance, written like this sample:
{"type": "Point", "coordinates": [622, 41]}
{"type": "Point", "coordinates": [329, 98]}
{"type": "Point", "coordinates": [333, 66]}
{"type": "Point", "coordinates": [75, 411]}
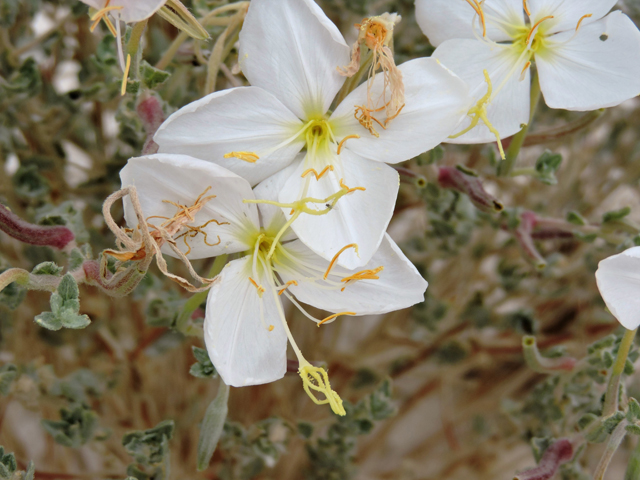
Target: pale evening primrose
{"type": "Point", "coordinates": [618, 279]}
{"type": "Point", "coordinates": [290, 53]}
{"type": "Point", "coordinates": [585, 59]}
{"type": "Point", "coordinates": [245, 328]}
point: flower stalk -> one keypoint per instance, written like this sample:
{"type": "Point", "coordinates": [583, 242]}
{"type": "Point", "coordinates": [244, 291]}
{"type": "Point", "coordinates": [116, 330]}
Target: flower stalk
{"type": "Point", "coordinates": [57, 236]}
{"type": "Point", "coordinates": [541, 364]}
{"type": "Point", "coordinates": [613, 388]}
{"type": "Point", "coordinates": [455, 179]}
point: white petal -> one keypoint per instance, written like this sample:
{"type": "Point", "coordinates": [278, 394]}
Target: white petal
{"type": "Point", "coordinates": [131, 11]}
{"type": "Point", "coordinates": [360, 217]}
{"type": "Point", "coordinates": [442, 20]}
{"type": "Point", "coordinates": [509, 110]}
{"type": "Point", "coordinates": [399, 286]}
{"type": "Point", "coordinates": [618, 279]}
{"type": "Point", "coordinates": [567, 13]}
{"type": "Point", "coordinates": [243, 119]}
{"type": "Point", "coordinates": [240, 345]}
{"type": "Point", "coordinates": [291, 49]}
{"type": "Point", "coordinates": [181, 179]}
{"type": "Point", "coordinates": [435, 103]}
{"type": "Point", "coordinates": [598, 68]}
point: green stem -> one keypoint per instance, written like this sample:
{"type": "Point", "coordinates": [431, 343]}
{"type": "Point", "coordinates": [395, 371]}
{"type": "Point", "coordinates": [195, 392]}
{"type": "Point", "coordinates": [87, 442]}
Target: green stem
{"type": "Point", "coordinates": [518, 139]}
{"type": "Point", "coordinates": [614, 442]}
{"type": "Point", "coordinates": [196, 300]}
{"type": "Point", "coordinates": [611, 397]}
{"type": "Point", "coordinates": [133, 48]}
{"type": "Point", "coordinates": [351, 83]}
{"type": "Point", "coordinates": [633, 467]}
{"type": "Point", "coordinates": [13, 275]}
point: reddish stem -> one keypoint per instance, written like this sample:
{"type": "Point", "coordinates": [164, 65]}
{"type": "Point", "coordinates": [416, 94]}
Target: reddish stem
{"type": "Point", "coordinates": [558, 453]}
{"type": "Point", "coordinates": [57, 236]}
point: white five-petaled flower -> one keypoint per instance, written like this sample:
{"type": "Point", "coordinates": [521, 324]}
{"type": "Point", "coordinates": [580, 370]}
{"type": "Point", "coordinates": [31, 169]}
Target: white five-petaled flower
{"type": "Point", "coordinates": [618, 279]}
{"type": "Point", "coordinates": [585, 59]}
{"type": "Point", "coordinates": [245, 328]}
{"type": "Point", "coordinates": [290, 52]}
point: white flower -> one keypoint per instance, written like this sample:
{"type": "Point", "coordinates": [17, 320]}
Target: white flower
{"type": "Point", "coordinates": [618, 279]}
{"type": "Point", "coordinates": [290, 52]}
{"type": "Point", "coordinates": [585, 60]}
{"type": "Point", "coordinates": [126, 10]}
{"type": "Point", "coordinates": [245, 328]}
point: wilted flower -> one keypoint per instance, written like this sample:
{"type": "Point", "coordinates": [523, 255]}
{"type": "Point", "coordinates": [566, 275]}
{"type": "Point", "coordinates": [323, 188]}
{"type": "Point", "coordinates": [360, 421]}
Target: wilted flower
{"type": "Point", "coordinates": [618, 279]}
{"type": "Point", "coordinates": [290, 51]}
{"type": "Point", "coordinates": [245, 328]}
{"type": "Point", "coordinates": [585, 60]}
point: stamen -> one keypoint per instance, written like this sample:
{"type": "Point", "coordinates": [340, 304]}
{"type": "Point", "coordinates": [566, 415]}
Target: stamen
{"type": "Point", "coordinates": [102, 15]}
{"type": "Point", "coordinates": [260, 288]}
{"type": "Point", "coordinates": [526, 7]}
{"type": "Point", "coordinates": [318, 175]}
{"type": "Point", "coordinates": [364, 275]}
{"type": "Point", "coordinates": [524, 70]}
{"type": "Point", "coordinates": [315, 378]}
{"type": "Point", "coordinates": [534, 28]}
{"type": "Point", "coordinates": [335, 315]}
{"type": "Point", "coordinates": [335, 257]}
{"type": "Point", "coordinates": [287, 285]}
{"type": "Point", "coordinates": [388, 119]}
{"type": "Point", "coordinates": [123, 89]}
{"type": "Point", "coordinates": [349, 190]}
{"type": "Point", "coordinates": [250, 157]}
{"type": "Point", "coordinates": [353, 136]}
{"type": "Point", "coordinates": [479, 112]}
{"type": "Point", "coordinates": [366, 118]}
{"type": "Point", "coordinates": [476, 5]}
{"type": "Point", "coordinates": [582, 18]}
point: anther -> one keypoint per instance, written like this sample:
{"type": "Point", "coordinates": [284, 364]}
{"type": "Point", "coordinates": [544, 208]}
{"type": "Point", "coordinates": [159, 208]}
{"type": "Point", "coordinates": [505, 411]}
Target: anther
{"type": "Point", "coordinates": [102, 15]}
{"type": "Point", "coordinates": [349, 190]}
{"type": "Point", "coordinates": [526, 7]}
{"type": "Point", "coordinates": [347, 138]}
{"type": "Point", "coordinates": [534, 28]}
{"type": "Point", "coordinates": [250, 157]}
{"type": "Point", "coordinates": [335, 315]}
{"type": "Point", "coordinates": [524, 70]}
{"type": "Point", "coordinates": [259, 288]}
{"type": "Point", "coordinates": [271, 327]}
{"type": "Point", "coordinates": [123, 88]}
{"type": "Point", "coordinates": [335, 257]}
{"type": "Point", "coordinates": [287, 285]}
{"type": "Point", "coordinates": [477, 7]}
{"type": "Point", "coordinates": [582, 18]}
{"type": "Point", "coordinates": [318, 175]}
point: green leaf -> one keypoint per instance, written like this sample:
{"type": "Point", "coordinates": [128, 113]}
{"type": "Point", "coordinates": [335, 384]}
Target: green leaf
{"type": "Point", "coordinates": [47, 268]}
{"type": "Point", "coordinates": [305, 429]}
{"type": "Point", "coordinates": [49, 321]}
{"type": "Point", "coordinates": [633, 411]}
{"type": "Point", "coordinates": [8, 374]}
{"type": "Point", "coordinates": [212, 426]}
{"type": "Point", "coordinates": [148, 447]}
{"type": "Point", "coordinates": [616, 215]}
{"type": "Point", "coordinates": [546, 167]}
{"type": "Point", "coordinates": [151, 76]}
{"type": "Point", "coordinates": [576, 218]}
{"type": "Point", "coordinates": [68, 288]}
{"type": "Point", "coordinates": [633, 429]}
{"type": "Point", "coordinates": [204, 368]}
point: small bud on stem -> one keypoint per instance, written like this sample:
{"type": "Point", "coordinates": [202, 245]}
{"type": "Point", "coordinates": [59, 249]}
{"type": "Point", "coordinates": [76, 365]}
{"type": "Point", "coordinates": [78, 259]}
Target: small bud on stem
{"type": "Point", "coordinates": [558, 453]}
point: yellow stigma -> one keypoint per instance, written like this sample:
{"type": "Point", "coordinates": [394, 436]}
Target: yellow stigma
{"type": "Point", "coordinates": [102, 15]}
{"type": "Point", "coordinates": [250, 157]}
{"type": "Point", "coordinates": [479, 112]}
{"type": "Point", "coordinates": [333, 317]}
{"type": "Point", "coordinates": [315, 379]}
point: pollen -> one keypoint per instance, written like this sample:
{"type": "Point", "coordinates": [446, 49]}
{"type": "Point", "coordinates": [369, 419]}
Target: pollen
{"type": "Point", "coordinates": [250, 157]}
{"type": "Point", "coordinates": [314, 171]}
{"type": "Point", "coordinates": [335, 257]}
{"type": "Point", "coordinates": [334, 316]}
{"type": "Point", "coordinates": [271, 328]}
